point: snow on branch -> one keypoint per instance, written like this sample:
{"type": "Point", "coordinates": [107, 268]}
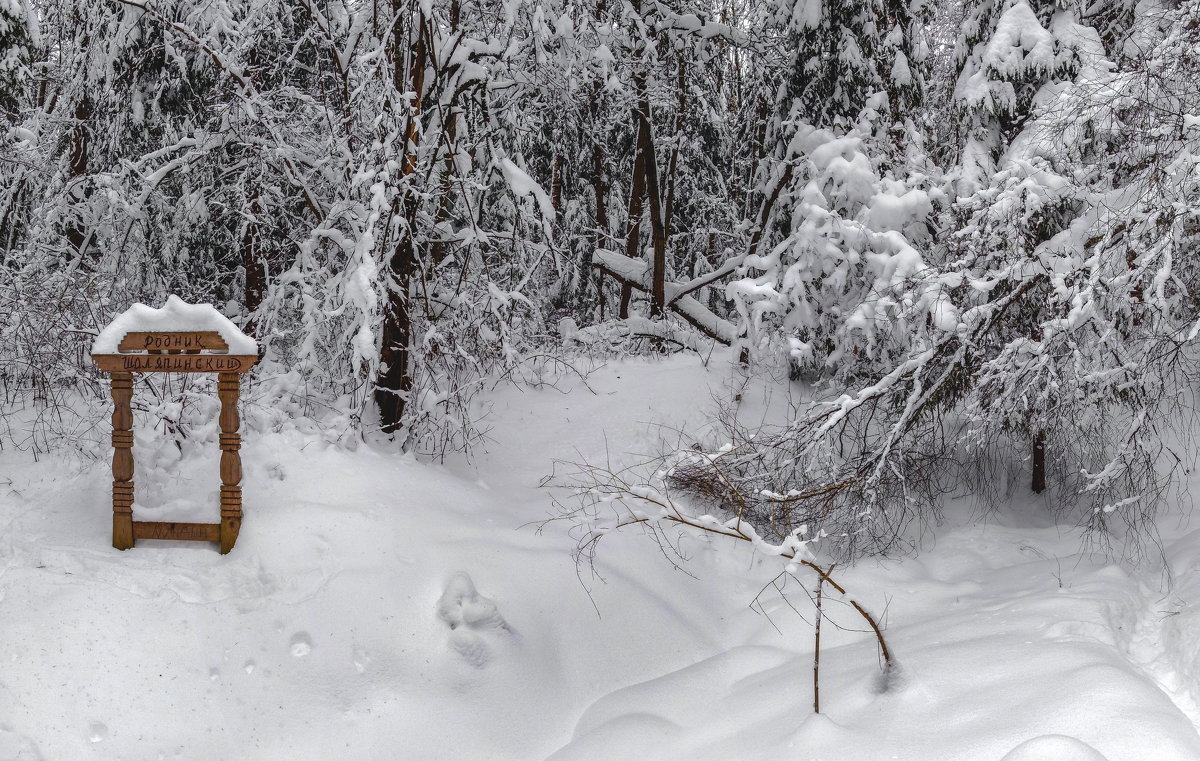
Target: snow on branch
{"type": "Point", "coordinates": [634, 273]}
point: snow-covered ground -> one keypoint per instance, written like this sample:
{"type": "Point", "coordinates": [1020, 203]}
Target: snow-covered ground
{"type": "Point", "coordinates": [377, 607]}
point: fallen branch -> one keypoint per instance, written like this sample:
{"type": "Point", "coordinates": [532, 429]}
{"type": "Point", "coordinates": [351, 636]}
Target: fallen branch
{"type": "Point", "coordinates": [595, 485]}
{"type": "Point", "coordinates": [632, 274]}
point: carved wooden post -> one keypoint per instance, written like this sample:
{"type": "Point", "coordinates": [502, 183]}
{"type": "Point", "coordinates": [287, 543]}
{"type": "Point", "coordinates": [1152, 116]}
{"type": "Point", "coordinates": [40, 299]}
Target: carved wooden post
{"type": "Point", "coordinates": [231, 460]}
{"type": "Point", "coordinates": [122, 464]}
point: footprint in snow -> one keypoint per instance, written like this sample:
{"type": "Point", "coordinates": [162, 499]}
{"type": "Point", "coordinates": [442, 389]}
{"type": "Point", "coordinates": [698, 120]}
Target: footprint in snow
{"type": "Point", "coordinates": [475, 623]}
{"type": "Point", "coordinates": [300, 645]}
{"type": "Point", "coordinates": [97, 732]}
{"type": "Point", "coordinates": [361, 659]}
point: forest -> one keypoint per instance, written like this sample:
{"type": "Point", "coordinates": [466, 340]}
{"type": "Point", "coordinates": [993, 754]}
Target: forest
{"type": "Point", "coordinates": [974, 220]}
{"type": "Point", "coordinates": [872, 264]}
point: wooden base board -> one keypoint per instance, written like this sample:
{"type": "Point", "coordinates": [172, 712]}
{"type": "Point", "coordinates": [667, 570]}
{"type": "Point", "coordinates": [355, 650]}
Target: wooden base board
{"type": "Point", "coordinates": [190, 532]}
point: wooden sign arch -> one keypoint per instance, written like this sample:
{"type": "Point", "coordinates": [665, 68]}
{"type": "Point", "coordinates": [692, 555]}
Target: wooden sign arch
{"type": "Point", "coordinates": [175, 352]}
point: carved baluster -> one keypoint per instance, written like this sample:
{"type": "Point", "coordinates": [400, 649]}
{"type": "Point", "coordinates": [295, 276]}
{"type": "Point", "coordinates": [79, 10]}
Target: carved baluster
{"type": "Point", "coordinates": [122, 464]}
{"type": "Point", "coordinates": [231, 460]}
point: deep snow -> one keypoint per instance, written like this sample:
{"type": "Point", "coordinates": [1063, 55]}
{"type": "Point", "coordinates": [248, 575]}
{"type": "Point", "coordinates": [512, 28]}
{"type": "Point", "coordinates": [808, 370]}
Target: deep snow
{"type": "Point", "coordinates": [377, 607]}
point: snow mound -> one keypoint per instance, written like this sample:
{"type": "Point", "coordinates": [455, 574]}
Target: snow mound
{"type": "Point", "coordinates": [1180, 617]}
{"type": "Point", "coordinates": [17, 747]}
{"type": "Point", "coordinates": [1054, 748]}
{"type": "Point", "coordinates": [176, 315]}
{"type": "Point", "coordinates": [473, 619]}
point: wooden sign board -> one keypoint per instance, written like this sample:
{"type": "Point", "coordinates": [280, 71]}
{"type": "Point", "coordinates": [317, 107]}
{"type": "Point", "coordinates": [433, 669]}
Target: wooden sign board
{"type": "Point", "coordinates": [175, 352]}
{"type": "Point", "coordinates": [173, 363]}
{"type": "Point", "coordinates": [188, 342]}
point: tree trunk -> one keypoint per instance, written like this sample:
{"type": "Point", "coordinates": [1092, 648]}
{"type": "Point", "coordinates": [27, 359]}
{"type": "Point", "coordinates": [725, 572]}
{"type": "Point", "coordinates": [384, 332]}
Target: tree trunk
{"type": "Point", "coordinates": [13, 218]}
{"type": "Point", "coordinates": [449, 139]}
{"type": "Point", "coordinates": [626, 297]}
{"type": "Point", "coordinates": [395, 374]}
{"type": "Point", "coordinates": [1039, 462]}
{"type": "Point", "coordinates": [658, 298]}
{"type": "Point", "coordinates": [77, 158]}
{"type": "Point", "coordinates": [556, 183]}
{"type": "Point", "coordinates": [600, 296]}
{"type": "Point", "coordinates": [637, 188]}
{"type": "Point", "coordinates": [599, 181]}
{"type": "Point", "coordinates": [600, 191]}
{"type": "Point", "coordinates": [600, 188]}
{"type": "Point", "coordinates": [673, 163]}
{"type": "Point", "coordinates": [253, 264]}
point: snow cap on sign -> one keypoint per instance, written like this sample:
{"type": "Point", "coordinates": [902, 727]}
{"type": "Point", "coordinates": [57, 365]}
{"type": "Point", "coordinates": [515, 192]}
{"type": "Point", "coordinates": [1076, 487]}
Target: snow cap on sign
{"type": "Point", "coordinates": [176, 315]}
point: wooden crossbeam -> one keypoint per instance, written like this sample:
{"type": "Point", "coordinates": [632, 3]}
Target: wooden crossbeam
{"type": "Point", "coordinates": [190, 532]}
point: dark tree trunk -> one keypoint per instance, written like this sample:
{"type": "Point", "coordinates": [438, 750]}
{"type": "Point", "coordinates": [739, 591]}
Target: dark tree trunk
{"type": "Point", "coordinates": [637, 188]}
{"type": "Point", "coordinates": [77, 158]}
{"type": "Point", "coordinates": [395, 361]}
{"type": "Point", "coordinates": [450, 136]}
{"type": "Point", "coordinates": [556, 183]}
{"type": "Point", "coordinates": [626, 297]}
{"type": "Point", "coordinates": [599, 182]}
{"type": "Point", "coordinates": [12, 220]}
{"type": "Point", "coordinates": [600, 187]}
{"type": "Point", "coordinates": [658, 299]}
{"type": "Point", "coordinates": [254, 264]}
{"type": "Point", "coordinates": [600, 191]}
{"type": "Point", "coordinates": [1039, 462]}
{"type": "Point", "coordinates": [395, 377]}
{"type": "Point", "coordinates": [673, 163]}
